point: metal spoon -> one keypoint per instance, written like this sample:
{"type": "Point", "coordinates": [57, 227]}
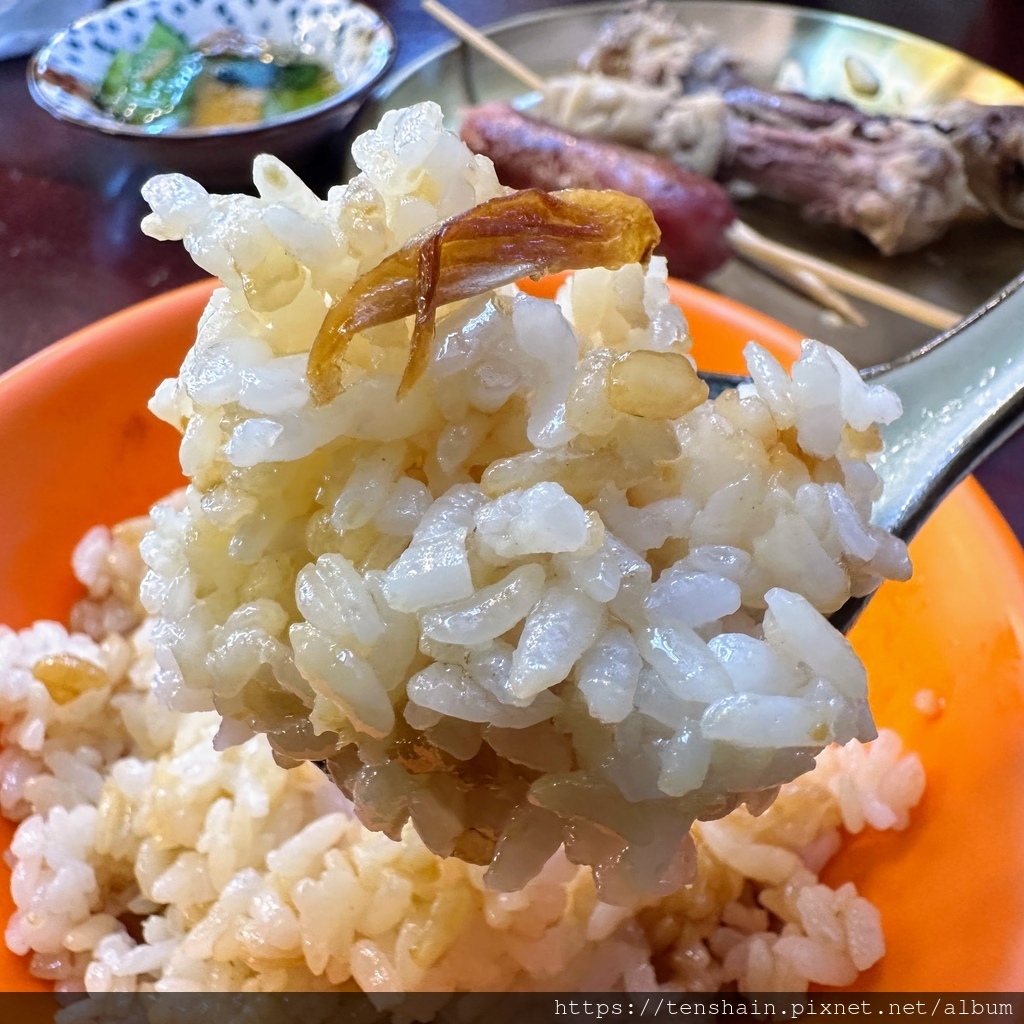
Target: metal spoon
{"type": "Point", "coordinates": [962, 394]}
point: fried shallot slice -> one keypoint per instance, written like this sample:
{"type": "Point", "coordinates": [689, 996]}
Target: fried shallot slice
{"type": "Point", "coordinates": [527, 233]}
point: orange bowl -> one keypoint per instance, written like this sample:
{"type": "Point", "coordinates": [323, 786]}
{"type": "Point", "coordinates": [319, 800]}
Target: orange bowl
{"type": "Point", "coordinates": [79, 448]}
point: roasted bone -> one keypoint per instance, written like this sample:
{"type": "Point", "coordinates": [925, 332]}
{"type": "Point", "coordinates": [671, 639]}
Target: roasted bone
{"type": "Point", "coordinates": [901, 187]}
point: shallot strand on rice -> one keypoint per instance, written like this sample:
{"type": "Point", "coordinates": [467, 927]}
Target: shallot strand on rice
{"type": "Point", "coordinates": [527, 233]}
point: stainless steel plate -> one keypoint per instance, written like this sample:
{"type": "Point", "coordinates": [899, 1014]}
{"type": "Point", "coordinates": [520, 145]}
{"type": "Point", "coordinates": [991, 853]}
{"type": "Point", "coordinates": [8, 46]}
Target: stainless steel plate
{"type": "Point", "coordinates": [960, 271]}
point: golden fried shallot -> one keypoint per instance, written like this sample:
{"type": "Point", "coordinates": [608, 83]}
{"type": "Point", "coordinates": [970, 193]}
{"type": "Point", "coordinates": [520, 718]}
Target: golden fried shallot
{"type": "Point", "coordinates": [527, 233]}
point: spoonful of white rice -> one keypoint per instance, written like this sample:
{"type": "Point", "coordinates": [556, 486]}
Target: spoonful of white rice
{"type": "Point", "coordinates": [549, 596]}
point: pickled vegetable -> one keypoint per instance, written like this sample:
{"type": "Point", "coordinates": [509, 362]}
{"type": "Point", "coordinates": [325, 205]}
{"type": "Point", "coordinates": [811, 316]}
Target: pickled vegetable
{"type": "Point", "coordinates": [171, 83]}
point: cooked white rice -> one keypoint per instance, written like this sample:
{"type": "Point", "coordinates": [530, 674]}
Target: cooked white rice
{"type": "Point", "coordinates": [551, 597]}
{"type": "Point", "coordinates": [146, 860]}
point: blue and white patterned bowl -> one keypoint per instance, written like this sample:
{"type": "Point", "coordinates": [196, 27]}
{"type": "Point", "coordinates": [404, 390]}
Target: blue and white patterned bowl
{"type": "Point", "coordinates": [356, 43]}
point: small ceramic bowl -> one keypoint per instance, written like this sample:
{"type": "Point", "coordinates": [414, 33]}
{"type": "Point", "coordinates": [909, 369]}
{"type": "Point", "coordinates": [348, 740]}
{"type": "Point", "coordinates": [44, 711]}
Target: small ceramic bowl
{"type": "Point", "coordinates": [355, 42]}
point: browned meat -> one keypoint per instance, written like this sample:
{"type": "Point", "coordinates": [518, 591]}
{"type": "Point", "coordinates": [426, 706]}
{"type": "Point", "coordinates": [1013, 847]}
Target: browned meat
{"type": "Point", "coordinates": [691, 211]}
{"type": "Point", "coordinates": [989, 139]}
{"type": "Point", "coordinates": [789, 109]}
{"type": "Point", "coordinates": [647, 44]}
{"type": "Point", "coordinates": [688, 130]}
{"type": "Point", "coordinates": [901, 187]}
{"type": "Point", "coordinates": [991, 142]}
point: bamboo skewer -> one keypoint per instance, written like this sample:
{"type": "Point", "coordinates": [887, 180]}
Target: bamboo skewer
{"type": "Point", "coordinates": [476, 39]}
{"type": "Point", "coordinates": [808, 284]}
{"type": "Point", "coordinates": [817, 278]}
{"type": "Point", "coordinates": [748, 241]}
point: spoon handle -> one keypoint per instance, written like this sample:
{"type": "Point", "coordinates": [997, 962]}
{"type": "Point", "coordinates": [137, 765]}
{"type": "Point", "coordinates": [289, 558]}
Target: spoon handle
{"type": "Point", "coordinates": [962, 394]}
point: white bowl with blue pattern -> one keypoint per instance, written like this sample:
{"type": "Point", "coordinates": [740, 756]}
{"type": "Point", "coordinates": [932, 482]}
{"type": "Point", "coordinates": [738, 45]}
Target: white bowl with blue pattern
{"type": "Point", "coordinates": [345, 36]}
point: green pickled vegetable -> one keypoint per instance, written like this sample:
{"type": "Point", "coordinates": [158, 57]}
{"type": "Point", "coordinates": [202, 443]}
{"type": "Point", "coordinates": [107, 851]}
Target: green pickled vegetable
{"type": "Point", "coordinates": [169, 81]}
{"type": "Point", "coordinates": [153, 82]}
{"type": "Point", "coordinates": [284, 101]}
{"type": "Point", "coordinates": [300, 76]}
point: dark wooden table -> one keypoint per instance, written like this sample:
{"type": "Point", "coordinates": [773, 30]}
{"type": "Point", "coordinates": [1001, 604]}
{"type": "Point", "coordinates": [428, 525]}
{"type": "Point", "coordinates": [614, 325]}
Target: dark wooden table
{"type": "Point", "coordinates": [71, 250]}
